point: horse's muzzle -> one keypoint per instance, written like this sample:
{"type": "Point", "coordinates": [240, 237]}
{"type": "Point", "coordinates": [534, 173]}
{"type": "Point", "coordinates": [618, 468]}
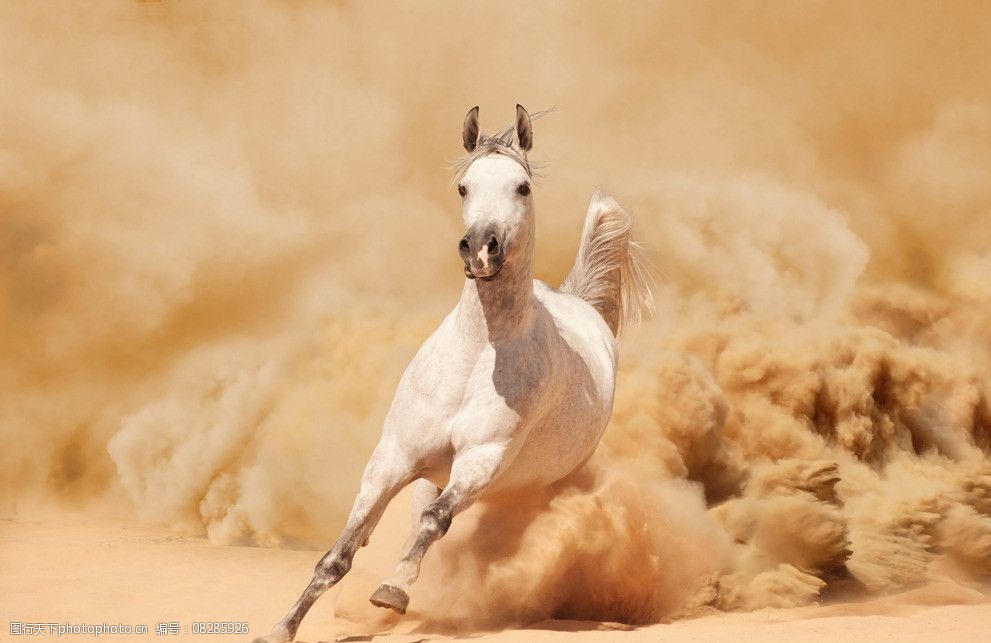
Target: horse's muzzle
{"type": "Point", "coordinates": [483, 251]}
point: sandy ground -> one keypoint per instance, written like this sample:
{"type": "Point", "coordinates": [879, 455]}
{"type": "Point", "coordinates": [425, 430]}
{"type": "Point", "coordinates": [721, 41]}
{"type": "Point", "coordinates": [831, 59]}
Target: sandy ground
{"type": "Point", "coordinates": [89, 569]}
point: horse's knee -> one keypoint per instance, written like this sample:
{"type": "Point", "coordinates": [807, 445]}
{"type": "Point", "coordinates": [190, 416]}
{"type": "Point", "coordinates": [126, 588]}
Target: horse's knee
{"type": "Point", "coordinates": [436, 519]}
{"type": "Point", "coordinates": [332, 567]}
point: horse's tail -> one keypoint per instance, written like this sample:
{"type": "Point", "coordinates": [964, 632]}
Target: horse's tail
{"type": "Point", "coordinates": [610, 271]}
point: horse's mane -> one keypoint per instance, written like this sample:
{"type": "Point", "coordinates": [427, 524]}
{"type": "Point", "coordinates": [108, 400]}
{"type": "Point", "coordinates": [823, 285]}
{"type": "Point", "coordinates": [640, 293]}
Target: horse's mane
{"type": "Point", "coordinates": [502, 142]}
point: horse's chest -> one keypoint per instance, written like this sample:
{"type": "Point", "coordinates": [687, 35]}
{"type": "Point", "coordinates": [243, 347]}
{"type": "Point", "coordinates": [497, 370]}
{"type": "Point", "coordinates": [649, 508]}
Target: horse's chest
{"type": "Point", "coordinates": [435, 391]}
{"type": "Point", "coordinates": [445, 387]}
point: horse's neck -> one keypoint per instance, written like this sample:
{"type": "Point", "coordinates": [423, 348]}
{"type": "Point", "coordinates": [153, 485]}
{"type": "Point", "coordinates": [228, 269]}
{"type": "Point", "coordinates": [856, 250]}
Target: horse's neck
{"type": "Point", "coordinates": [502, 307]}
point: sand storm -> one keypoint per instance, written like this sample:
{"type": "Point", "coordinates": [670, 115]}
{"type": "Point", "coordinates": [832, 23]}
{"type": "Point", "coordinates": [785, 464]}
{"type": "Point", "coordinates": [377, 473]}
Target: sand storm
{"type": "Point", "coordinates": [194, 309]}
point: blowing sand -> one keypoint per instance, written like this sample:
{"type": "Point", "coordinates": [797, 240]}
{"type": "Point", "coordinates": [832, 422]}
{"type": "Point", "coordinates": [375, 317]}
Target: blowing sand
{"type": "Point", "coordinates": [226, 227]}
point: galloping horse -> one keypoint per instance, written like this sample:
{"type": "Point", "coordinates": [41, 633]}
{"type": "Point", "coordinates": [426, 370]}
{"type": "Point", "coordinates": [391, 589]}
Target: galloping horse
{"type": "Point", "coordinates": [516, 385]}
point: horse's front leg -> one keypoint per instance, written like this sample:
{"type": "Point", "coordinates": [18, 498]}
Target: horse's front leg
{"type": "Point", "coordinates": [424, 492]}
{"type": "Point", "coordinates": [471, 472]}
{"type": "Point", "coordinates": [386, 473]}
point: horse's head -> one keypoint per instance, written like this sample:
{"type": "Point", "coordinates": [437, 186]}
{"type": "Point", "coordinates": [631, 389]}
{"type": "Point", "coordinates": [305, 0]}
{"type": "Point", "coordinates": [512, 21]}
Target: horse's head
{"type": "Point", "coordinates": [495, 187]}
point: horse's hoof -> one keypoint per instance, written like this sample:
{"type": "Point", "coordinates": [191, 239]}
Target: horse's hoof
{"type": "Point", "coordinates": [391, 597]}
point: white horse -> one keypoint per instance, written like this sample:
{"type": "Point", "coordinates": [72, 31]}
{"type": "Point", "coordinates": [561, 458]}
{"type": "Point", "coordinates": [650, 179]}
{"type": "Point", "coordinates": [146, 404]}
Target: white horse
{"type": "Point", "coordinates": [516, 385]}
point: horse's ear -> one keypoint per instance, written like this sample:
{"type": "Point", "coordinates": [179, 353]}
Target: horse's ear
{"type": "Point", "coordinates": [470, 133]}
{"type": "Point", "coordinates": [524, 131]}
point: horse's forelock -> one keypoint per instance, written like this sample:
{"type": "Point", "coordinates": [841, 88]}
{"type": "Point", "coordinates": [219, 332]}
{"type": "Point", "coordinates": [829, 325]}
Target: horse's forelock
{"type": "Point", "coordinates": [502, 142]}
{"type": "Point", "coordinates": [499, 143]}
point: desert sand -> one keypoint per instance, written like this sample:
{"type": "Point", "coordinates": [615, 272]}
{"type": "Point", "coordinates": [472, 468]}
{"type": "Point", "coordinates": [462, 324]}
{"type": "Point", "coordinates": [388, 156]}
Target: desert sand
{"type": "Point", "coordinates": [89, 568]}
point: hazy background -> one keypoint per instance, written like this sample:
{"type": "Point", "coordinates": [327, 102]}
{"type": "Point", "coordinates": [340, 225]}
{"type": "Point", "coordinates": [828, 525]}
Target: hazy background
{"type": "Point", "coordinates": [225, 228]}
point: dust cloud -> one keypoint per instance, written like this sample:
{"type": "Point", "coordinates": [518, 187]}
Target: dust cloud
{"type": "Point", "coordinates": [226, 227]}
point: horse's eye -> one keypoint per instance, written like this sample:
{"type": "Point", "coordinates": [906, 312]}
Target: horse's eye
{"type": "Point", "coordinates": [524, 189]}
{"type": "Point", "coordinates": [462, 190]}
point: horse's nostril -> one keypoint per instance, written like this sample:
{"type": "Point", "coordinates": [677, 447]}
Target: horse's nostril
{"type": "Point", "coordinates": [463, 247]}
{"type": "Point", "coordinates": [492, 245]}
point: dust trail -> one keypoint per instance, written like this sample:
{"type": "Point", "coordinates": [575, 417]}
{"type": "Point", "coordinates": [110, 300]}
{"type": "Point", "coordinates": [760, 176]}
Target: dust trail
{"type": "Point", "coordinates": [225, 228]}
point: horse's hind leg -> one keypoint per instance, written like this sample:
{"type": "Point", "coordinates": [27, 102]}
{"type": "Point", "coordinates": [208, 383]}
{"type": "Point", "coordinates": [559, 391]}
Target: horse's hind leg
{"type": "Point", "coordinates": [385, 474]}
{"type": "Point", "coordinates": [471, 472]}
